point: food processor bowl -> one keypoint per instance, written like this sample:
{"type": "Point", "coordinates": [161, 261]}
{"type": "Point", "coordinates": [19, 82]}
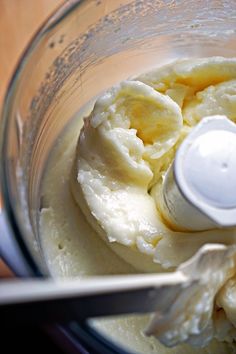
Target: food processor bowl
{"type": "Point", "coordinates": [85, 47]}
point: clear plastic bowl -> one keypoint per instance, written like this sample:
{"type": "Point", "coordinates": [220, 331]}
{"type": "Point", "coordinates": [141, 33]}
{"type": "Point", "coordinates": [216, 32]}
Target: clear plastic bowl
{"type": "Point", "coordinates": [85, 47]}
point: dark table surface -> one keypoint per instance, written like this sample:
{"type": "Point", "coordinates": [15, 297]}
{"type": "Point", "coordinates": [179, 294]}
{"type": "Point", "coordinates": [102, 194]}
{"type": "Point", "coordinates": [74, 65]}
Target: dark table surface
{"type": "Point", "coordinates": [27, 340]}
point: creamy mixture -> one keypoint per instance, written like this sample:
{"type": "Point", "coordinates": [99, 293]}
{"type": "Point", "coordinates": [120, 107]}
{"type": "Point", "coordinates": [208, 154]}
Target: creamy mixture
{"type": "Point", "coordinates": [112, 223]}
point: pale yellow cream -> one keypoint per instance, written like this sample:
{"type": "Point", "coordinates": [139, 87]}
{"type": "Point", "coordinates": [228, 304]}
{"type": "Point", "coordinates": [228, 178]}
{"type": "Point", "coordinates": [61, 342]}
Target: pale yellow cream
{"type": "Point", "coordinates": [124, 150]}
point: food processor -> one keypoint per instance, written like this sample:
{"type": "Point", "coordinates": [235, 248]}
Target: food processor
{"type": "Point", "coordinates": [85, 47]}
